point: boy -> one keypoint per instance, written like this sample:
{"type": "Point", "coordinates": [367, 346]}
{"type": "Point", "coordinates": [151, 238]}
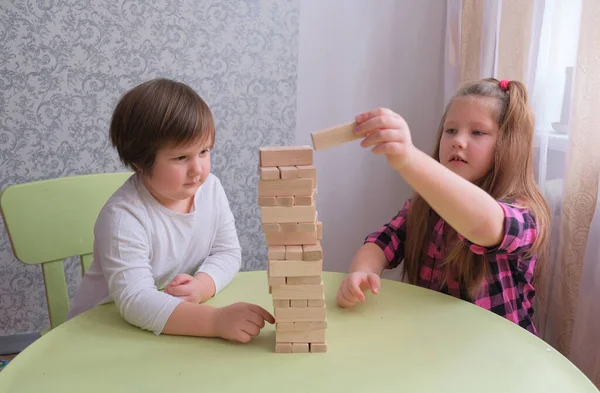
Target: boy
{"type": "Point", "coordinates": [172, 216]}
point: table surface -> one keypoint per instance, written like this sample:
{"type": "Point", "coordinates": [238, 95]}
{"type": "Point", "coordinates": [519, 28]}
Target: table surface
{"type": "Point", "coordinates": [404, 339]}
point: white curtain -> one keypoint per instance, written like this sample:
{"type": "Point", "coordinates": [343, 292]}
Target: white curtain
{"type": "Point", "coordinates": [553, 46]}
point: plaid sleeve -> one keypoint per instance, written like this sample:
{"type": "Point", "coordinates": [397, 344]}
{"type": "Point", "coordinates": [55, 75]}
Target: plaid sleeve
{"type": "Point", "coordinates": [519, 232]}
{"type": "Point", "coordinates": [391, 237]}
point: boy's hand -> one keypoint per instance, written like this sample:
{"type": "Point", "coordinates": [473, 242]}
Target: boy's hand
{"type": "Point", "coordinates": [388, 133]}
{"type": "Point", "coordinates": [351, 288]}
{"type": "Point", "coordinates": [186, 287]}
{"type": "Point", "coordinates": [241, 321]}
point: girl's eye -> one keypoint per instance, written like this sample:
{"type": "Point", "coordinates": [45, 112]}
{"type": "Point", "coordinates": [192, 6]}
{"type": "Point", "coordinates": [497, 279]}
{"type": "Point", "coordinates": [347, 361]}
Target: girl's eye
{"type": "Point", "coordinates": [478, 133]}
{"type": "Point", "coordinates": [450, 130]}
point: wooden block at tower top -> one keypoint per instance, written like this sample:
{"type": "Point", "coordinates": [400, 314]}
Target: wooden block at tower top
{"type": "Point", "coordinates": [334, 136]}
{"type": "Point", "coordinates": [285, 155]}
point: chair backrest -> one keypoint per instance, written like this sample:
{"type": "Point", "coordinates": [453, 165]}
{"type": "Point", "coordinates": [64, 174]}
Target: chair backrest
{"type": "Point", "coordinates": [50, 220]}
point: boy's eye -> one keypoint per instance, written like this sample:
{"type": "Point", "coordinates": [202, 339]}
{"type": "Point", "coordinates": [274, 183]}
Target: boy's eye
{"type": "Point", "coordinates": [203, 152]}
{"type": "Point", "coordinates": [180, 158]}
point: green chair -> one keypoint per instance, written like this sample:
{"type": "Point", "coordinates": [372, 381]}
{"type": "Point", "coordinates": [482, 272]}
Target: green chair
{"type": "Point", "coordinates": [50, 220]}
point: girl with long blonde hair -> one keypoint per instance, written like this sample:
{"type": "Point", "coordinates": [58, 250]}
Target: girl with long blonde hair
{"type": "Point", "coordinates": [477, 223]}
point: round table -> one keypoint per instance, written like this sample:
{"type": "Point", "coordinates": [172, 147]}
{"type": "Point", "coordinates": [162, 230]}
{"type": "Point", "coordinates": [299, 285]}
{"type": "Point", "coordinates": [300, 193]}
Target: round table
{"type": "Point", "coordinates": [406, 339]}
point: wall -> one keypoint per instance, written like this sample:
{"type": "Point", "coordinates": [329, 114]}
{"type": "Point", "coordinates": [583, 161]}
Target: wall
{"type": "Point", "coordinates": [65, 65]}
{"type": "Point", "coordinates": [354, 57]}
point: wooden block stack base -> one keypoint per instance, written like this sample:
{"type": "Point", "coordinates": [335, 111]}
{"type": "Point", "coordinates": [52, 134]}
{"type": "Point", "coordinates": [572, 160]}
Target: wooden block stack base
{"type": "Point", "coordinates": [293, 232]}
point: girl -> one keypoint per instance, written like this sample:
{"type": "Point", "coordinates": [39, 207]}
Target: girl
{"type": "Point", "coordinates": [477, 222]}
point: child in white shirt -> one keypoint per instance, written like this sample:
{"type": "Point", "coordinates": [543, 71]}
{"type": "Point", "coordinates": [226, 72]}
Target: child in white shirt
{"type": "Point", "coordinates": [169, 226]}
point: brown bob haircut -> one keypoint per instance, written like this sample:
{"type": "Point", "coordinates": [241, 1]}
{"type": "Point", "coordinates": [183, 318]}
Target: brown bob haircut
{"type": "Point", "coordinates": [156, 114]}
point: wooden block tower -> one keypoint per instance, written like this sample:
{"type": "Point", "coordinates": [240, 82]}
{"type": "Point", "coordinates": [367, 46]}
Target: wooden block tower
{"type": "Point", "coordinates": [286, 196]}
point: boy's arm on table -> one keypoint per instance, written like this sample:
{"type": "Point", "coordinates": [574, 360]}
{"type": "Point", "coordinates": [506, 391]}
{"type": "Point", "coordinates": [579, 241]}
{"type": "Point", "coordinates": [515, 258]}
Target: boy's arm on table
{"type": "Point", "coordinates": [122, 249]}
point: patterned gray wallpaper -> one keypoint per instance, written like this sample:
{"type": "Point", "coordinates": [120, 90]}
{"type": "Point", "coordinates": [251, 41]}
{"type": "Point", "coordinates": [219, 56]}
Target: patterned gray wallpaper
{"type": "Point", "coordinates": [64, 64]}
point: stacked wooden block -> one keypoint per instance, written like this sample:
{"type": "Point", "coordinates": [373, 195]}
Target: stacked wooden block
{"type": "Point", "coordinates": [286, 196]}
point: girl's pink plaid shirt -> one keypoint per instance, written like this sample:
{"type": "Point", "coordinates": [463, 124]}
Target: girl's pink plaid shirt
{"type": "Point", "coordinates": [508, 292]}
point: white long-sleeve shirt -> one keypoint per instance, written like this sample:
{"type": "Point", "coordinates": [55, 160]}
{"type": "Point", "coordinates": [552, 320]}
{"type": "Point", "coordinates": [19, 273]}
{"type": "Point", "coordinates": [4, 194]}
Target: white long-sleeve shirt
{"type": "Point", "coordinates": [140, 246]}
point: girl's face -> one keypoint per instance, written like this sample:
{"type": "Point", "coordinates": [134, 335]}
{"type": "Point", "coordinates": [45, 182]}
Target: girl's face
{"type": "Point", "coordinates": [177, 174]}
{"type": "Point", "coordinates": [469, 137]}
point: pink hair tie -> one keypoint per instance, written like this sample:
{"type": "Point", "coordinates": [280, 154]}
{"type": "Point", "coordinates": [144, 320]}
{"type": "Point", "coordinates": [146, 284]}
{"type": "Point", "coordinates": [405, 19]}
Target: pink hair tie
{"type": "Point", "coordinates": [504, 84]}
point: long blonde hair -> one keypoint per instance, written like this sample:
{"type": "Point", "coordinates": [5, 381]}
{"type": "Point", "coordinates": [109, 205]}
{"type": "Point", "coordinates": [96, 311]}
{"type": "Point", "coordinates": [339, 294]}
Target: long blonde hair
{"type": "Point", "coordinates": [509, 179]}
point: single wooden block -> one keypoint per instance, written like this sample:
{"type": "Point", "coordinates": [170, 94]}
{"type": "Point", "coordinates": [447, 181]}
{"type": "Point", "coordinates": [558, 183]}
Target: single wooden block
{"type": "Point", "coordinates": [284, 201]}
{"type": "Point", "coordinates": [289, 268]}
{"type": "Point", "coordinates": [285, 155]}
{"type": "Point", "coordinates": [312, 252]}
{"type": "Point", "coordinates": [283, 348]}
{"type": "Point", "coordinates": [306, 200]}
{"type": "Point", "coordinates": [298, 291]}
{"type": "Point", "coordinates": [289, 172]}
{"type": "Point", "coordinates": [334, 136]}
{"type": "Point", "coordinates": [318, 347]}
{"type": "Point", "coordinates": [310, 280]}
{"type": "Point", "coordinates": [276, 252]}
{"type": "Point", "coordinates": [299, 303]}
{"type": "Point", "coordinates": [293, 253]}
{"type": "Point", "coordinates": [291, 187]}
{"type": "Point", "coordinates": [307, 171]}
{"type": "Point", "coordinates": [270, 227]}
{"type": "Point", "coordinates": [281, 303]}
{"type": "Point", "coordinates": [300, 336]}
{"type": "Point", "coordinates": [290, 238]}
{"type": "Point", "coordinates": [300, 348]}
{"type": "Point", "coordinates": [283, 326]}
{"type": "Point", "coordinates": [299, 314]}
{"type": "Point", "coordinates": [316, 303]}
{"type": "Point", "coordinates": [298, 227]}
{"type": "Point", "coordinates": [266, 201]}
{"type": "Point", "coordinates": [275, 281]}
{"type": "Point", "coordinates": [269, 173]}
{"type": "Point", "coordinates": [319, 230]}
{"type": "Point", "coordinates": [281, 214]}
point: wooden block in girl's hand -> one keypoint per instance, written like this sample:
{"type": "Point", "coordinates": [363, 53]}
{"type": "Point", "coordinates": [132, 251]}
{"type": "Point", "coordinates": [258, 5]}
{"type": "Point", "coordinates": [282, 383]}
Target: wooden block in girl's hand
{"type": "Point", "coordinates": [312, 252]}
{"type": "Point", "coordinates": [298, 292]}
{"type": "Point", "coordinates": [290, 268]}
{"type": "Point", "coordinates": [289, 172]}
{"type": "Point", "coordinates": [285, 155]}
{"type": "Point", "coordinates": [334, 136]}
{"type": "Point", "coordinates": [293, 253]}
{"type": "Point", "coordinates": [282, 214]}
{"type": "Point", "coordinates": [291, 187]}
{"type": "Point", "coordinates": [269, 173]}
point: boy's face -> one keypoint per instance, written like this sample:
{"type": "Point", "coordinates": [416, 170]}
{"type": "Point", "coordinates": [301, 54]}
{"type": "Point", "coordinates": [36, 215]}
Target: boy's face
{"type": "Point", "coordinates": [178, 173]}
{"type": "Point", "coordinates": [469, 137]}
